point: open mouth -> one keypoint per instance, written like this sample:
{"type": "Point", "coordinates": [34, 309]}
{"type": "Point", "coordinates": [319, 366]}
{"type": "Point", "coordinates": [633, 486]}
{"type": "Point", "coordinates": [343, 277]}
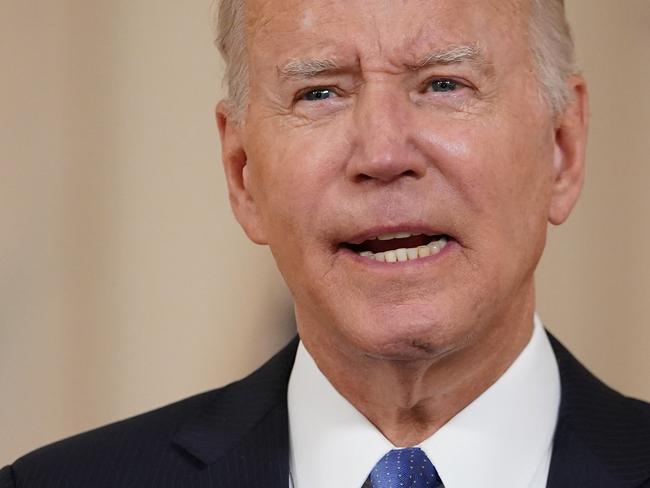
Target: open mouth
{"type": "Point", "coordinates": [400, 246]}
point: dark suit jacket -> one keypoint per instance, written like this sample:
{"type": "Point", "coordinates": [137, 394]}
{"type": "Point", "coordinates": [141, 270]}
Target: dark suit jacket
{"type": "Point", "coordinates": [237, 436]}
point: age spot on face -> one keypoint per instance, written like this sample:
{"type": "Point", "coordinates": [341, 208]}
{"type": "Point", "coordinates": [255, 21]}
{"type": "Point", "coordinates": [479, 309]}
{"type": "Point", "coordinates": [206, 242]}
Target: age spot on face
{"type": "Point", "coordinates": [307, 21]}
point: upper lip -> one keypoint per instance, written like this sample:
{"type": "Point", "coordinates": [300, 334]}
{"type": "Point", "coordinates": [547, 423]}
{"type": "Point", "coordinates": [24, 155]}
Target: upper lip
{"type": "Point", "coordinates": [372, 233]}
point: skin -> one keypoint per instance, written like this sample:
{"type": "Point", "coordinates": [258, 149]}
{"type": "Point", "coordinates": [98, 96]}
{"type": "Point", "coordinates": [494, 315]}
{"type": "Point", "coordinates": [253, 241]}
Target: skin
{"type": "Point", "coordinates": [411, 344]}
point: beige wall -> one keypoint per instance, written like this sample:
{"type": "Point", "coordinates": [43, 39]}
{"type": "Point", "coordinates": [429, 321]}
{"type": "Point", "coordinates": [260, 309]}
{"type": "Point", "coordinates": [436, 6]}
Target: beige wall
{"type": "Point", "coordinates": [594, 282]}
{"type": "Point", "coordinates": [126, 284]}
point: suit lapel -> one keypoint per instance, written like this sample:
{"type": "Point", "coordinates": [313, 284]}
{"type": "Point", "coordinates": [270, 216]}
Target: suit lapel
{"type": "Point", "coordinates": [573, 465]}
{"type": "Point", "coordinates": [241, 436]}
{"type": "Point", "coordinates": [260, 459]}
{"type": "Point", "coordinates": [240, 439]}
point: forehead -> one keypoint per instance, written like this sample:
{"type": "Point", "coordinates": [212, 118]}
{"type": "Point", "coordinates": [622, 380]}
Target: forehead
{"type": "Point", "coordinates": [375, 30]}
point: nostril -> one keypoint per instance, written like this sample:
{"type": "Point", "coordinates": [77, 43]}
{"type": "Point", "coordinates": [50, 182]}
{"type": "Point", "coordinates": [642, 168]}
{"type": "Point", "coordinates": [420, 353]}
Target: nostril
{"type": "Point", "coordinates": [362, 177]}
{"type": "Point", "coordinates": [386, 162]}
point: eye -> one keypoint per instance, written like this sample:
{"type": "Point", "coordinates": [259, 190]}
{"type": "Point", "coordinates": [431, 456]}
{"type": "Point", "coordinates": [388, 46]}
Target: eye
{"type": "Point", "coordinates": [443, 85]}
{"type": "Point", "coordinates": [318, 94]}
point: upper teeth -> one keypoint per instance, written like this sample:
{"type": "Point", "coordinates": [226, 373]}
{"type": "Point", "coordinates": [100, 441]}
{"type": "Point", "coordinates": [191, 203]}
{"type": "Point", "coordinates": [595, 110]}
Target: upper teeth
{"type": "Point", "coordinates": [395, 235]}
{"type": "Point", "coordinates": [407, 254]}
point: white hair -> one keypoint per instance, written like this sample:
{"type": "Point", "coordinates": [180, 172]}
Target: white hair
{"type": "Point", "coordinates": [229, 25]}
{"type": "Point", "coordinates": [551, 45]}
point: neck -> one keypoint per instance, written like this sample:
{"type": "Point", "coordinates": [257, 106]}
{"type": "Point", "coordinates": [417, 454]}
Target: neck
{"type": "Point", "coordinates": [408, 401]}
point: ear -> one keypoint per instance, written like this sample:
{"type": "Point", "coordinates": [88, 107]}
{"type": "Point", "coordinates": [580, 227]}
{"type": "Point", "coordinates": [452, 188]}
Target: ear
{"type": "Point", "coordinates": [570, 148]}
{"type": "Point", "coordinates": [238, 178]}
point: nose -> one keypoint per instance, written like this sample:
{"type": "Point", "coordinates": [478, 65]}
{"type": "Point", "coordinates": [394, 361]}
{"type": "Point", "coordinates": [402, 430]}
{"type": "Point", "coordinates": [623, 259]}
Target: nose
{"type": "Point", "coordinates": [385, 146]}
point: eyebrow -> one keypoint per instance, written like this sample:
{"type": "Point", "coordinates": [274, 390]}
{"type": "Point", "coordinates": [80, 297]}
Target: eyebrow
{"type": "Point", "coordinates": [302, 69]}
{"type": "Point", "coordinates": [469, 53]}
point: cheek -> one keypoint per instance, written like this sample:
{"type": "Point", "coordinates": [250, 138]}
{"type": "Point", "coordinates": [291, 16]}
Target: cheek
{"type": "Point", "coordinates": [509, 177]}
{"type": "Point", "coordinates": [498, 180]}
{"type": "Point", "coordinates": [513, 192]}
{"type": "Point", "coordinates": [530, 171]}
{"type": "Point", "coordinates": [295, 172]}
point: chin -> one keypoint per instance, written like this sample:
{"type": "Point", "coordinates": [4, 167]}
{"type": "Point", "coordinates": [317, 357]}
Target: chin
{"type": "Point", "coordinates": [388, 336]}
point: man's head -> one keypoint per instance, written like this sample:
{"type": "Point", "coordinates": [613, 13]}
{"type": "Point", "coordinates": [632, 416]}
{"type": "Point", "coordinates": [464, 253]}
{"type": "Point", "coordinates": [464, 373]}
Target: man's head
{"type": "Point", "coordinates": [365, 118]}
{"type": "Point", "coordinates": [550, 42]}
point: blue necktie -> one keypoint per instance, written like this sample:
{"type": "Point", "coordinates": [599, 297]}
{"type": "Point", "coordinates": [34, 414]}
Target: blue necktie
{"type": "Point", "coordinates": [404, 468]}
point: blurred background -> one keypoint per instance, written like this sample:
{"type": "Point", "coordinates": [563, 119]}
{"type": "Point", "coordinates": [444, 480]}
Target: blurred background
{"type": "Point", "coordinates": [125, 283]}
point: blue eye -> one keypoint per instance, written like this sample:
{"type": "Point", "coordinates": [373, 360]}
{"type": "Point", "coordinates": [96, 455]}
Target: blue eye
{"type": "Point", "coordinates": [318, 94]}
{"type": "Point", "coordinates": [444, 85]}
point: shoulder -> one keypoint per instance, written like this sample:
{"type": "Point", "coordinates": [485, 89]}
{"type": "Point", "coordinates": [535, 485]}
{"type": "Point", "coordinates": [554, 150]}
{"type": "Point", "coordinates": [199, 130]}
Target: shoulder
{"type": "Point", "coordinates": [113, 452]}
{"type": "Point", "coordinates": [161, 448]}
{"type": "Point", "coordinates": [586, 397]}
{"type": "Point", "coordinates": [600, 425]}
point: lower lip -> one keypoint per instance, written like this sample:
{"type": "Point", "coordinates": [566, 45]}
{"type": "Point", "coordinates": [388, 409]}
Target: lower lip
{"type": "Point", "coordinates": [401, 265]}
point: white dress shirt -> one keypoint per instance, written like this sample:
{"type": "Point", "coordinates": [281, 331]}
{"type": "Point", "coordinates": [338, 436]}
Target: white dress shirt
{"type": "Point", "coordinates": [503, 439]}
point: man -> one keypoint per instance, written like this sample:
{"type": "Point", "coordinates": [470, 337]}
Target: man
{"type": "Point", "coordinates": [402, 160]}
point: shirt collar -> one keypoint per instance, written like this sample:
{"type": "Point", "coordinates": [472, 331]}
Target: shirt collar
{"type": "Point", "coordinates": [502, 438]}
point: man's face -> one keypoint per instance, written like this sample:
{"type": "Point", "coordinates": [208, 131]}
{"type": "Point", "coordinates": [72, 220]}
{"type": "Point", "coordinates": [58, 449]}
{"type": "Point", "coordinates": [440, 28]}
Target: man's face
{"type": "Point", "coordinates": [376, 117]}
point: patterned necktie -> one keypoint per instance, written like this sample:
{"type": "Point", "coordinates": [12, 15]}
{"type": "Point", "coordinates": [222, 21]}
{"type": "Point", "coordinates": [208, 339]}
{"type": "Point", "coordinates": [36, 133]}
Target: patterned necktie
{"type": "Point", "coordinates": [404, 468]}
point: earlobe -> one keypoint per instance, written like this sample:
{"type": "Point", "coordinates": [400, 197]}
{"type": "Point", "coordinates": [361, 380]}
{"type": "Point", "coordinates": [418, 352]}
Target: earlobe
{"type": "Point", "coordinates": [238, 178]}
{"type": "Point", "coordinates": [570, 148]}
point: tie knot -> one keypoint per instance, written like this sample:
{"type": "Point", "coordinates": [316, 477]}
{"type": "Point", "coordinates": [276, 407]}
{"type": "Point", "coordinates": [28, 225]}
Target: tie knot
{"type": "Point", "coordinates": [404, 468]}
